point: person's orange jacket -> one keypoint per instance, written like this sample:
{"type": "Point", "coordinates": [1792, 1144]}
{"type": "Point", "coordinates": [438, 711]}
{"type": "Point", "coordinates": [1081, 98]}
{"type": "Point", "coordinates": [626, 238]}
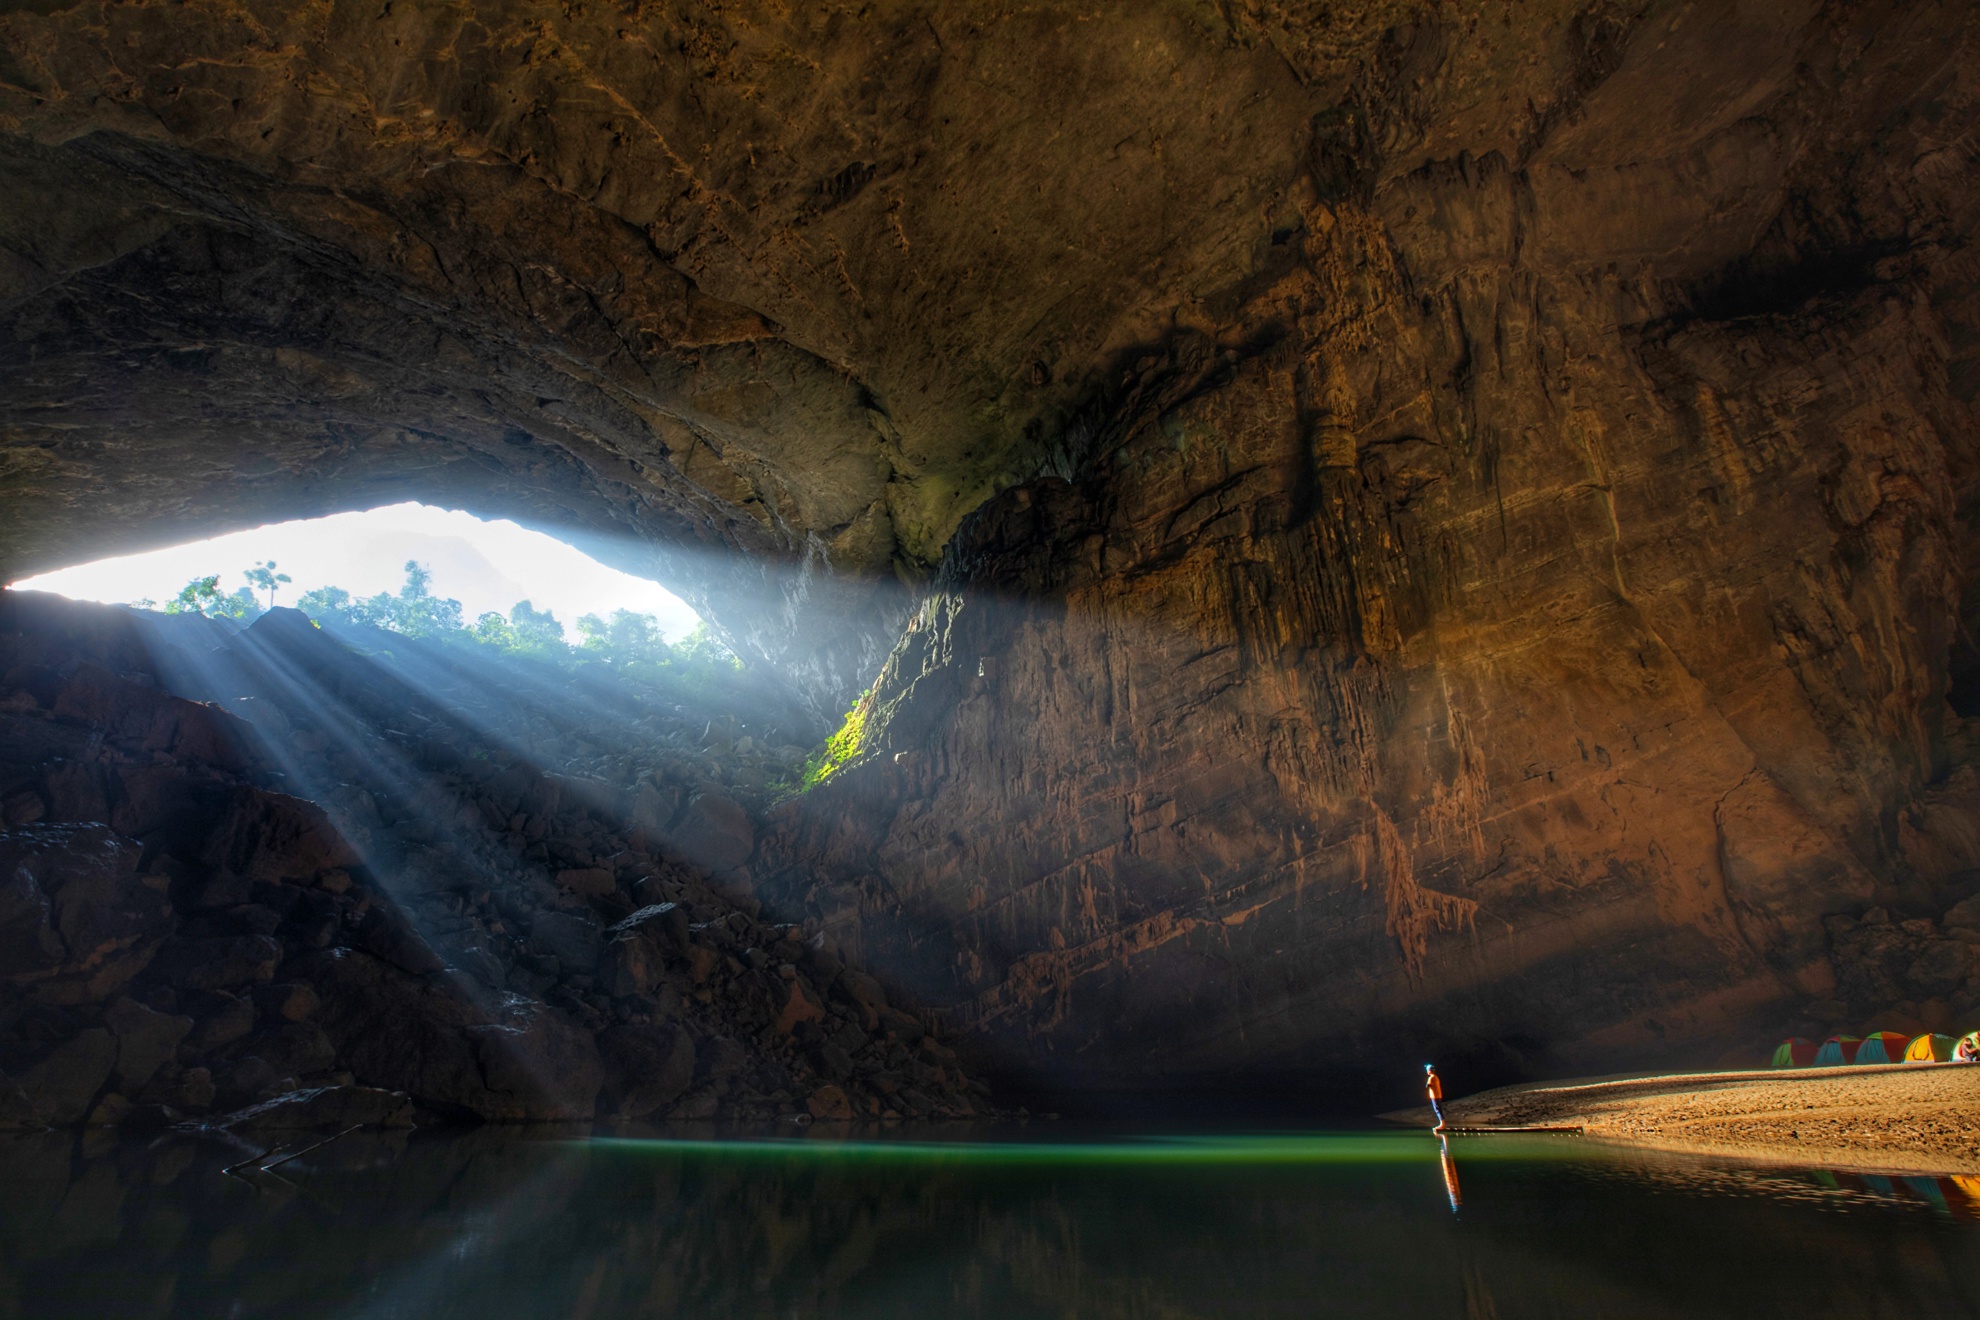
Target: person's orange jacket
{"type": "Point", "coordinates": [1435, 1085]}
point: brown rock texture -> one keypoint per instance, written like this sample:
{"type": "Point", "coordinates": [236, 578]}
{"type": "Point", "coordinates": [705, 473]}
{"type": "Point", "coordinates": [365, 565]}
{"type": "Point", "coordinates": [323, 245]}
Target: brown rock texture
{"type": "Point", "coordinates": [1524, 651]}
{"type": "Point", "coordinates": [405, 934]}
{"type": "Point", "coordinates": [1407, 517]}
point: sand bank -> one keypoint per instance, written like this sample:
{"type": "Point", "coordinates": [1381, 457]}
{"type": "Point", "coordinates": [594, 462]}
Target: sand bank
{"type": "Point", "coordinates": [1905, 1118]}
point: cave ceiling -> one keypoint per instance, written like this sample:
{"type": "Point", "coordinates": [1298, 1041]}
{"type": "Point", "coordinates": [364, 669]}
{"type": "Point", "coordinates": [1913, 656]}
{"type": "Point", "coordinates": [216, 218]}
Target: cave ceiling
{"type": "Point", "coordinates": [797, 287]}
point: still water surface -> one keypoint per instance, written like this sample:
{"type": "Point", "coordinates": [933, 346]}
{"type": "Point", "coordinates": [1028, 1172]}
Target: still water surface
{"type": "Point", "coordinates": [1039, 1223]}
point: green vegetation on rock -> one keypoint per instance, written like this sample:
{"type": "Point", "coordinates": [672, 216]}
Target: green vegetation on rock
{"type": "Point", "coordinates": [842, 747]}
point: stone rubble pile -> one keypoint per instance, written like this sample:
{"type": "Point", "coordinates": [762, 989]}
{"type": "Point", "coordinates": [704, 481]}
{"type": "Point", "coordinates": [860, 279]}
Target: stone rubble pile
{"type": "Point", "coordinates": [1913, 973]}
{"type": "Point", "coordinates": [506, 892]}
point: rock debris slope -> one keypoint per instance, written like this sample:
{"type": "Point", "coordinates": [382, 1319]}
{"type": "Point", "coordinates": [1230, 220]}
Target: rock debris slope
{"type": "Point", "coordinates": [1407, 517]}
{"type": "Point", "coordinates": [187, 932]}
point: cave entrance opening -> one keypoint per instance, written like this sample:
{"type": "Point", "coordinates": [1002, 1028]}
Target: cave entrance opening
{"type": "Point", "coordinates": [408, 830]}
{"type": "Point", "coordinates": [390, 661]}
{"type": "Point", "coordinates": [356, 565]}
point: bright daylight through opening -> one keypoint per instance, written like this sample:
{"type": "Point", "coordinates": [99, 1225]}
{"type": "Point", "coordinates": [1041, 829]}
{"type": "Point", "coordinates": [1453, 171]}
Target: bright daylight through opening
{"type": "Point", "coordinates": [489, 566]}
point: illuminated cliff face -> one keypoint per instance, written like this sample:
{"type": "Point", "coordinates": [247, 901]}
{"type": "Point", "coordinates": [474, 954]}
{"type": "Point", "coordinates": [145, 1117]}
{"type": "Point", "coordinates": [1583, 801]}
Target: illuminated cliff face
{"type": "Point", "coordinates": [1406, 519]}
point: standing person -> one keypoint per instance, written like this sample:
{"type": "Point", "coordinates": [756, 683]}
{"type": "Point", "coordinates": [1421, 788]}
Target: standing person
{"type": "Point", "coordinates": [1433, 1086]}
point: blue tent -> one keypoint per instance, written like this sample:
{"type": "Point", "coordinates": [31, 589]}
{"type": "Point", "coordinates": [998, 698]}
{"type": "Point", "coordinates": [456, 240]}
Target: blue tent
{"type": "Point", "coordinates": [1882, 1047]}
{"type": "Point", "coordinates": [1836, 1051]}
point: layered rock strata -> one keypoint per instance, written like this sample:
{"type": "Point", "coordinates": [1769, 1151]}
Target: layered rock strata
{"type": "Point", "coordinates": [1282, 726]}
{"type": "Point", "coordinates": [1511, 654]}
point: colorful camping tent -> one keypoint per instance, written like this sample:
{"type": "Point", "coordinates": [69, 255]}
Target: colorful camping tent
{"type": "Point", "coordinates": [1797, 1052]}
{"type": "Point", "coordinates": [1968, 1049]}
{"type": "Point", "coordinates": [1836, 1051]}
{"type": "Point", "coordinates": [1929, 1048]}
{"type": "Point", "coordinates": [1882, 1047]}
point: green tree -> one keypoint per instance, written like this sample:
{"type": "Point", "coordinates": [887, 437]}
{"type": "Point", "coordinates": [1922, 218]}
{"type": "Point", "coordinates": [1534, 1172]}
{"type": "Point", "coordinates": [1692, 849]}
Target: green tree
{"type": "Point", "coordinates": [629, 642]}
{"type": "Point", "coordinates": [418, 612]}
{"type": "Point", "coordinates": [263, 575]}
{"type": "Point", "coordinates": [702, 646]}
{"type": "Point", "coordinates": [536, 632]}
{"type": "Point", "coordinates": [333, 604]}
{"type": "Point", "coordinates": [627, 639]}
{"type": "Point", "coordinates": [203, 596]}
{"type": "Point", "coordinates": [415, 611]}
{"type": "Point", "coordinates": [493, 629]}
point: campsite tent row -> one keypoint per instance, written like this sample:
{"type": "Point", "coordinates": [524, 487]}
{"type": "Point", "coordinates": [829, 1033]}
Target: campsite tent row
{"type": "Point", "coordinates": [1877, 1047]}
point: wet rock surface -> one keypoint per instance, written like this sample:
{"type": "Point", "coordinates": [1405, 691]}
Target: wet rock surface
{"type": "Point", "coordinates": [371, 900]}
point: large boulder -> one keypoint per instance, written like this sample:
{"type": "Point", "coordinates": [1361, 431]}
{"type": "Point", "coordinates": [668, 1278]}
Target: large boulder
{"type": "Point", "coordinates": [646, 1068]}
{"type": "Point", "coordinates": [665, 925]}
{"type": "Point", "coordinates": [271, 836]}
{"type": "Point", "coordinates": [538, 1064]}
{"type": "Point", "coordinates": [76, 919]}
{"type": "Point", "coordinates": [629, 966]}
{"type": "Point", "coordinates": [519, 1061]}
{"type": "Point", "coordinates": [63, 1084]}
{"type": "Point", "coordinates": [387, 932]}
{"type": "Point", "coordinates": [153, 721]}
{"type": "Point", "coordinates": [398, 1031]}
{"type": "Point", "coordinates": [146, 1041]}
{"type": "Point", "coordinates": [637, 949]}
{"type": "Point", "coordinates": [16, 1110]}
{"type": "Point", "coordinates": [572, 940]}
{"type": "Point", "coordinates": [294, 1049]}
{"type": "Point", "coordinates": [219, 962]}
{"type": "Point", "coordinates": [714, 833]}
{"type": "Point", "coordinates": [1940, 968]}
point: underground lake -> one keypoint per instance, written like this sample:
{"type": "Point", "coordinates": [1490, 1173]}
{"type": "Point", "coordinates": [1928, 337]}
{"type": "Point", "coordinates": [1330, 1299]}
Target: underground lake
{"type": "Point", "coordinates": [1026, 1222]}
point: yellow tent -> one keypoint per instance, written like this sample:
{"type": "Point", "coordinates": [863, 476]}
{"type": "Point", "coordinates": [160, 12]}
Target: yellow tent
{"type": "Point", "coordinates": [1929, 1048]}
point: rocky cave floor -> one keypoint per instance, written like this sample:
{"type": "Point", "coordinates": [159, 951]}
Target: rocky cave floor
{"type": "Point", "coordinates": [284, 878]}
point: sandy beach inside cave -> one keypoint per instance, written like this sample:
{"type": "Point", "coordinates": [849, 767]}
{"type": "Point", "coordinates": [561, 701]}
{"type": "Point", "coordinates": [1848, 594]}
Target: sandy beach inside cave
{"type": "Point", "coordinates": [1922, 1118]}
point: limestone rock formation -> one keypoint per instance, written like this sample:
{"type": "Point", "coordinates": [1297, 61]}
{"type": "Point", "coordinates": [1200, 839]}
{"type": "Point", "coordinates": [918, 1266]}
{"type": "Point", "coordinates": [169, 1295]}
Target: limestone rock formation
{"type": "Point", "coordinates": [1354, 518]}
{"type": "Point", "coordinates": [179, 939]}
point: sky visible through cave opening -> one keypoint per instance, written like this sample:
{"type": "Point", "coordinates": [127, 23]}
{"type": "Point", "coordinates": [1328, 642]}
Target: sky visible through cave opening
{"type": "Point", "coordinates": [487, 565]}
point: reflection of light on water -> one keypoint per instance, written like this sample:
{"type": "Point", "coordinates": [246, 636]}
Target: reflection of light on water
{"type": "Point", "coordinates": [1450, 1172]}
{"type": "Point", "coordinates": [1275, 1226]}
{"type": "Point", "coordinates": [1140, 1149]}
{"type": "Point", "coordinates": [1954, 1195]}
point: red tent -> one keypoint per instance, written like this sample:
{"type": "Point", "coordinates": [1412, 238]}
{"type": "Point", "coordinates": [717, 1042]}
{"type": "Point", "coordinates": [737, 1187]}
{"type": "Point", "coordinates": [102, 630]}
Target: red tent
{"type": "Point", "coordinates": [1795, 1052]}
{"type": "Point", "coordinates": [1882, 1047]}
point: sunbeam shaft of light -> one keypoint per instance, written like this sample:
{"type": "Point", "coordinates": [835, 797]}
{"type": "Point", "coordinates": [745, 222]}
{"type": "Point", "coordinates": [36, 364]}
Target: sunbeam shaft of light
{"type": "Point", "coordinates": [387, 774]}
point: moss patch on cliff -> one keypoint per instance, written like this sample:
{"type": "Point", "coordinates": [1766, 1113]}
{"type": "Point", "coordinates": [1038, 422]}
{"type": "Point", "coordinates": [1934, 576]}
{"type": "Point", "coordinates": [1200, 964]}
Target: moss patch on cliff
{"type": "Point", "coordinates": [842, 747]}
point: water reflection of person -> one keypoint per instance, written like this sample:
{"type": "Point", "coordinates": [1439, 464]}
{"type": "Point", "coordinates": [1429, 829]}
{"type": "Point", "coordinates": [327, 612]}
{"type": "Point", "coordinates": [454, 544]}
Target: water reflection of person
{"type": "Point", "coordinates": [1450, 1172]}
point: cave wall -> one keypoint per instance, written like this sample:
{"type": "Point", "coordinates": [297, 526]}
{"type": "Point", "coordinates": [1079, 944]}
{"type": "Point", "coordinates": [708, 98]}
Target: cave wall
{"type": "Point", "coordinates": [1523, 651]}
{"type": "Point", "coordinates": [1442, 517]}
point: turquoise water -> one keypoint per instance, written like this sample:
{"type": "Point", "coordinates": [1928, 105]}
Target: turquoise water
{"type": "Point", "coordinates": [495, 1224]}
